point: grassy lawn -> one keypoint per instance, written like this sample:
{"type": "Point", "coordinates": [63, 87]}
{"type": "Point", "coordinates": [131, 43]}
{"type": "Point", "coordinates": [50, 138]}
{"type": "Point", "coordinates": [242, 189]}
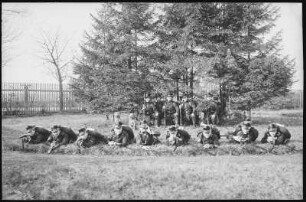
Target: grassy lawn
{"type": "Point", "coordinates": [157, 172]}
{"type": "Point", "coordinates": [41, 176]}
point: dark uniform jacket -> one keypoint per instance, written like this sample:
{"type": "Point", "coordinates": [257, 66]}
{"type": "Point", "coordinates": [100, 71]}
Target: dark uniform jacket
{"type": "Point", "coordinates": [159, 106]}
{"type": "Point", "coordinates": [251, 135]}
{"type": "Point", "coordinates": [148, 139]}
{"type": "Point", "coordinates": [94, 138]}
{"type": "Point", "coordinates": [184, 135]}
{"type": "Point", "coordinates": [41, 135]}
{"type": "Point", "coordinates": [149, 109]}
{"type": "Point", "coordinates": [171, 108]}
{"type": "Point", "coordinates": [126, 137]}
{"type": "Point", "coordinates": [66, 136]}
{"type": "Point", "coordinates": [186, 108]}
{"type": "Point", "coordinates": [212, 139]}
{"type": "Point", "coordinates": [282, 134]}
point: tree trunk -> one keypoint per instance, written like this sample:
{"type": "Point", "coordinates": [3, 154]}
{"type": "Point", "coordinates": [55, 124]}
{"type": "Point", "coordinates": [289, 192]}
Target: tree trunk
{"type": "Point", "coordinates": [61, 93]}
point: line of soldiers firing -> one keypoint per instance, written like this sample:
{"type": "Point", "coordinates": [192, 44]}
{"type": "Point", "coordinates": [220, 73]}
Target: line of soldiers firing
{"type": "Point", "coordinates": [184, 113]}
{"type": "Point", "coordinates": [123, 135]}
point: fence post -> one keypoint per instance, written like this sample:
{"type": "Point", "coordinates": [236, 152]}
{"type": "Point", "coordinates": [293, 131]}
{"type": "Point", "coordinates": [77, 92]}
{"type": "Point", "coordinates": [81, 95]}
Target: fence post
{"type": "Point", "coordinates": [26, 98]}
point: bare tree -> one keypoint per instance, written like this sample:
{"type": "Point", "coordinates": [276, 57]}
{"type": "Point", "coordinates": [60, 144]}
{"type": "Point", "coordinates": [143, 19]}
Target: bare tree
{"type": "Point", "coordinates": [53, 51]}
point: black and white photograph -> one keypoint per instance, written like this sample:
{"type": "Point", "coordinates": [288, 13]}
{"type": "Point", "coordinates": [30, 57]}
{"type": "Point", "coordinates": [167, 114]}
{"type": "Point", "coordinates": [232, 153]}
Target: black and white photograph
{"type": "Point", "coordinates": [152, 100]}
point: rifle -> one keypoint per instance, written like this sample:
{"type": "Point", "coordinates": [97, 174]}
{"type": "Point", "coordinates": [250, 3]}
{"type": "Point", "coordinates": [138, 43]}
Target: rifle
{"type": "Point", "coordinates": [52, 147]}
{"type": "Point", "coordinates": [181, 118]}
{"type": "Point", "coordinates": [27, 135]}
{"type": "Point", "coordinates": [165, 116]}
{"type": "Point", "coordinates": [22, 140]}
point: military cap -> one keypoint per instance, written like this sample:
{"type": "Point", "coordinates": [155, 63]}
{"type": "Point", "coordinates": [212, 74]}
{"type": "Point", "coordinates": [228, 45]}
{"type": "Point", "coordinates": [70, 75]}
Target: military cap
{"type": "Point", "coordinates": [172, 128]}
{"type": "Point", "coordinates": [246, 123]}
{"type": "Point", "coordinates": [30, 127]}
{"type": "Point", "coordinates": [272, 127]}
{"type": "Point", "coordinates": [82, 130]}
{"type": "Point", "coordinates": [55, 127]}
{"type": "Point", "coordinates": [147, 95]}
{"type": "Point", "coordinates": [205, 126]}
{"type": "Point", "coordinates": [170, 94]}
{"type": "Point", "coordinates": [118, 123]}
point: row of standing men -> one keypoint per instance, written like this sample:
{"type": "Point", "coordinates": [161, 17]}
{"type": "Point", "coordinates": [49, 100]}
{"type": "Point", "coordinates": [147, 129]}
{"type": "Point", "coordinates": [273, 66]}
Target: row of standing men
{"type": "Point", "coordinates": [182, 113]}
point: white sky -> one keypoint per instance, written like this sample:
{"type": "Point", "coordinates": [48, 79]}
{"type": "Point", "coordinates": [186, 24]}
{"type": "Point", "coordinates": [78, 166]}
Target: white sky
{"type": "Point", "coordinates": [72, 19]}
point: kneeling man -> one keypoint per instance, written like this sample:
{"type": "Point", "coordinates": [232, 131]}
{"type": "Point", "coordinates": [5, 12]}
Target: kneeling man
{"type": "Point", "coordinates": [277, 134]}
{"type": "Point", "coordinates": [121, 135]}
{"type": "Point", "coordinates": [209, 137]}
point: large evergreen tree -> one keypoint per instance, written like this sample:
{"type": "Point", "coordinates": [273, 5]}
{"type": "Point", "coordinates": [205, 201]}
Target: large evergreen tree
{"type": "Point", "coordinates": [112, 71]}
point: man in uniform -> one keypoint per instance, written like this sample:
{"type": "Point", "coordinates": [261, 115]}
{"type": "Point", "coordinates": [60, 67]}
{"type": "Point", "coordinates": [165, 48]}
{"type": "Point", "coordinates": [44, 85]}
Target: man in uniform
{"type": "Point", "coordinates": [171, 111]}
{"type": "Point", "coordinates": [60, 136]}
{"type": "Point", "coordinates": [148, 111]}
{"type": "Point", "coordinates": [88, 137]}
{"type": "Point", "coordinates": [133, 116]}
{"type": "Point", "coordinates": [159, 110]}
{"type": "Point", "coordinates": [187, 112]}
{"type": "Point", "coordinates": [35, 135]}
{"type": "Point", "coordinates": [121, 135]}
{"type": "Point", "coordinates": [177, 136]}
{"type": "Point", "coordinates": [277, 134]}
{"type": "Point", "coordinates": [147, 136]}
{"type": "Point", "coordinates": [209, 137]}
{"type": "Point", "coordinates": [246, 134]}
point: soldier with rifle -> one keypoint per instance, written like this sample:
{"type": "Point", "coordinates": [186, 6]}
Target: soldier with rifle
{"type": "Point", "coordinates": [148, 110]}
{"type": "Point", "coordinates": [121, 135]}
{"type": "Point", "coordinates": [276, 134]}
{"type": "Point", "coordinates": [60, 136]}
{"type": "Point", "coordinates": [171, 111]}
{"type": "Point", "coordinates": [159, 114]}
{"type": "Point", "coordinates": [177, 137]}
{"type": "Point", "coordinates": [187, 112]}
{"type": "Point", "coordinates": [247, 134]}
{"type": "Point", "coordinates": [147, 136]}
{"type": "Point", "coordinates": [209, 137]}
{"type": "Point", "coordinates": [36, 135]}
{"type": "Point", "coordinates": [88, 137]}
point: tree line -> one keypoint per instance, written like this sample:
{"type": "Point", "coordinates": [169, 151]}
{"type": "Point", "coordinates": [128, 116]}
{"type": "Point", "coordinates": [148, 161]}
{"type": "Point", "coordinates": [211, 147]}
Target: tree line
{"type": "Point", "coordinates": [135, 48]}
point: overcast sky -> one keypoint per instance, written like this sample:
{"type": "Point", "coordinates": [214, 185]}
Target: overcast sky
{"type": "Point", "coordinates": [72, 19]}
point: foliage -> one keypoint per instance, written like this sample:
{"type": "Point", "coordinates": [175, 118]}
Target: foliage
{"type": "Point", "coordinates": [113, 70]}
{"type": "Point", "coordinates": [134, 50]}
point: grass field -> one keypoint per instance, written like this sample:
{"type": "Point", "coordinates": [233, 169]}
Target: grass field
{"type": "Point", "coordinates": [157, 172]}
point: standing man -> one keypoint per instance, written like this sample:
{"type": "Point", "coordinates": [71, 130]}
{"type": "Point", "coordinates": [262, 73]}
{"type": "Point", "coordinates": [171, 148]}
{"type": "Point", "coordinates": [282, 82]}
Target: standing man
{"type": "Point", "coordinates": [187, 112]}
{"type": "Point", "coordinates": [148, 111]}
{"type": "Point", "coordinates": [159, 109]}
{"type": "Point", "coordinates": [171, 111]}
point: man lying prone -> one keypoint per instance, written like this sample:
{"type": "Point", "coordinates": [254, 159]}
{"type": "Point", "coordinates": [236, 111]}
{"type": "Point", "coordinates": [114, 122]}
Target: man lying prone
{"type": "Point", "coordinates": [60, 136]}
{"type": "Point", "coordinates": [89, 137]}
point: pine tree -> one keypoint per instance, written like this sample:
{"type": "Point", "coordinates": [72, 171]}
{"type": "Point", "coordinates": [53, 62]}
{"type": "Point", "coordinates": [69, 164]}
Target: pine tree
{"type": "Point", "coordinates": [113, 71]}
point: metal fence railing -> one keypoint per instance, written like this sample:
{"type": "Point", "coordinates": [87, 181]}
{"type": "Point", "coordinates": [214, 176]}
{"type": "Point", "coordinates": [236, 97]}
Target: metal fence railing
{"type": "Point", "coordinates": [32, 98]}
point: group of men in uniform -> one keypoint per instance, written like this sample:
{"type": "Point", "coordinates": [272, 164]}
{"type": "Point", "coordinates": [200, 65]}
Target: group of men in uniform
{"type": "Point", "coordinates": [123, 135]}
{"type": "Point", "coordinates": [184, 113]}
{"type": "Point", "coordinates": [187, 112]}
